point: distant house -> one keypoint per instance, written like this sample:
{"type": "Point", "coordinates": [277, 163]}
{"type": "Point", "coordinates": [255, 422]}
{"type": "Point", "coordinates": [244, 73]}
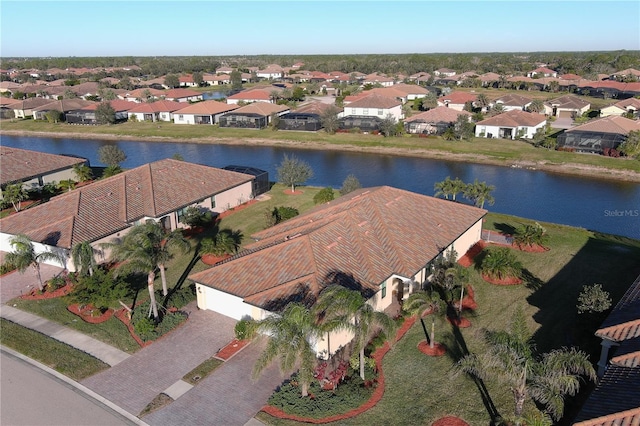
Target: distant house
{"type": "Point", "coordinates": [182, 95]}
{"type": "Point", "coordinates": [272, 71]}
{"type": "Point", "coordinates": [629, 73]}
{"type": "Point", "coordinates": [542, 72]}
{"type": "Point", "coordinates": [207, 112]}
{"type": "Point", "coordinates": [187, 81]}
{"type": "Point", "coordinates": [380, 79]}
{"type": "Point", "coordinates": [627, 106]}
{"type": "Point", "coordinates": [63, 106]}
{"type": "Point", "coordinates": [216, 80]}
{"type": "Point", "coordinates": [141, 95]}
{"type": "Point", "coordinates": [6, 111]}
{"type": "Point", "coordinates": [34, 169]}
{"type": "Point", "coordinates": [155, 111]}
{"type": "Point", "coordinates": [598, 136]}
{"type": "Point", "coordinates": [252, 95]}
{"type": "Point", "coordinates": [308, 117]}
{"type": "Point", "coordinates": [87, 115]}
{"type": "Point", "coordinates": [433, 122]}
{"type": "Point", "coordinates": [224, 70]}
{"type": "Point", "coordinates": [511, 125]}
{"type": "Point", "coordinates": [374, 105]}
{"type": "Point", "coordinates": [568, 106]}
{"type": "Point", "coordinates": [444, 72]}
{"type": "Point", "coordinates": [513, 102]}
{"type": "Point", "coordinates": [253, 116]}
{"type": "Point", "coordinates": [24, 108]}
{"type": "Point", "coordinates": [106, 209]}
{"type": "Point", "coordinates": [457, 100]}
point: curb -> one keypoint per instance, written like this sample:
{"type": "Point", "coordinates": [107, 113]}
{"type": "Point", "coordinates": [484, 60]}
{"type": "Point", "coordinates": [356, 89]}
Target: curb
{"type": "Point", "coordinates": [100, 400]}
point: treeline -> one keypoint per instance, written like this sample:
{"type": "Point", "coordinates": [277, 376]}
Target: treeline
{"type": "Point", "coordinates": [581, 63]}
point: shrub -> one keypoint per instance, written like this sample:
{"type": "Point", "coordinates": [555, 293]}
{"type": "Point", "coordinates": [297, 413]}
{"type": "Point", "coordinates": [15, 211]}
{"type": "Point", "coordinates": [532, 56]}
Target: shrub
{"type": "Point", "coordinates": [593, 299]}
{"type": "Point", "coordinates": [101, 289]}
{"type": "Point", "coordinates": [182, 296]}
{"type": "Point", "coordinates": [55, 283]}
{"type": "Point", "coordinates": [244, 329]}
{"type": "Point", "coordinates": [7, 267]}
{"type": "Point", "coordinates": [194, 216]}
{"type": "Point", "coordinates": [323, 196]}
{"type": "Point", "coordinates": [285, 213]}
{"type": "Point", "coordinates": [147, 329]}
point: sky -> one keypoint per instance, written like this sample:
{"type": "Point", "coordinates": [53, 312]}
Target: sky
{"type": "Point", "coordinates": [185, 28]}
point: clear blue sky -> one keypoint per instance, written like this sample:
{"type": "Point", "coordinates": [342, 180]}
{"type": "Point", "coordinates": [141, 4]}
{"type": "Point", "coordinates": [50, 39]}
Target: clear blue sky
{"type": "Point", "coordinates": [150, 28]}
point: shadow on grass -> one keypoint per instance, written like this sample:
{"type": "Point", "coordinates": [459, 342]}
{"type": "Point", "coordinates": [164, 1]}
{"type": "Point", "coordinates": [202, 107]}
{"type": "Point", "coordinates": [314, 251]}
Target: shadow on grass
{"type": "Point", "coordinates": [505, 228]}
{"type": "Point", "coordinates": [531, 281]}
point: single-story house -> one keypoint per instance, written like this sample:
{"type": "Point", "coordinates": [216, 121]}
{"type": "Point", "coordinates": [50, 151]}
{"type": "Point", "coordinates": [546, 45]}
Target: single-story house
{"type": "Point", "coordinates": [270, 72]}
{"type": "Point", "coordinates": [381, 241]}
{"type": "Point", "coordinates": [598, 136]}
{"type": "Point", "coordinates": [35, 169]}
{"type": "Point", "coordinates": [542, 72]}
{"type": "Point", "coordinates": [187, 81]}
{"type": "Point", "coordinates": [253, 116]}
{"type": "Point", "coordinates": [626, 106]}
{"type": "Point", "coordinates": [444, 72]}
{"type": "Point", "coordinates": [433, 122]}
{"type": "Point", "coordinates": [64, 106]}
{"type": "Point", "coordinates": [6, 110]}
{"type": "Point", "coordinates": [155, 111]}
{"type": "Point", "coordinates": [511, 125]}
{"type": "Point", "coordinates": [207, 112]}
{"type": "Point", "coordinates": [216, 80]}
{"type": "Point", "coordinates": [87, 115]}
{"type": "Point", "coordinates": [308, 117]}
{"type": "Point", "coordinates": [616, 398]}
{"type": "Point", "coordinates": [252, 95]}
{"type": "Point", "coordinates": [568, 106]}
{"type": "Point", "coordinates": [108, 208]}
{"type": "Point", "coordinates": [374, 105]}
{"type": "Point", "coordinates": [142, 95]}
{"type": "Point", "coordinates": [457, 100]}
{"type": "Point", "coordinates": [24, 108]}
{"type": "Point", "coordinates": [182, 95]}
{"type": "Point", "coordinates": [380, 79]}
{"type": "Point", "coordinates": [513, 102]}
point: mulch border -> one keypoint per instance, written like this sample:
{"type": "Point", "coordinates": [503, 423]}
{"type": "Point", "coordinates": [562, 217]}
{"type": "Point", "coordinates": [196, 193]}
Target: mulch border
{"type": "Point", "coordinates": [59, 292]}
{"type": "Point", "coordinates": [459, 322]}
{"type": "Point", "coordinates": [438, 348]}
{"type": "Point", "coordinates": [376, 396]}
{"type": "Point", "coordinates": [232, 348]}
{"type": "Point", "coordinates": [450, 421]}
{"type": "Point", "coordinates": [502, 281]}
{"type": "Point", "coordinates": [75, 309]}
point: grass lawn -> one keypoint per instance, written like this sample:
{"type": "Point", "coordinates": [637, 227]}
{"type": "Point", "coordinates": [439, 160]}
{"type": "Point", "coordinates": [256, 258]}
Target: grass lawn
{"type": "Point", "coordinates": [61, 357]}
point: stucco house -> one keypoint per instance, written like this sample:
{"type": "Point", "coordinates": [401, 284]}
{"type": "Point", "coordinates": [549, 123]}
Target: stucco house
{"type": "Point", "coordinates": [155, 111]}
{"type": "Point", "coordinates": [87, 115]}
{"type": "Point", "coordinates": [542, 72]}
{"type": "Point", "coordinates": [513, 102]}
{"type": "Point", "coordinates": [382, 241]}
{"type": "Point", "coordinates": [433, 122]}
{"type": "Point", "coordinates": [207, 112]}
{"type": "Point", "coordinates": [374, 105]}
{"type": "Point", "coordinates": [511, 125]}
{"type": "Point", "coordinates": [182, 95]}
{"type": "Point", "coordinates": [568, 106]}
{"type": "Point", "coordinates": [598, 136]}
{"type": "Point", "coordinates": [108, 208]}
{"type": "Point", "coordinates": [24, 108]}
{"type": "Point", "coordinates": [457, 100]}
{"type": "Point", "coordinates": [631, 105]}
{"type": "Point", "coordinates": [253, 95]}
{"type": "Point", "coordinates": [64, 106]}
{"type": "Point", "coordinates": [253, 116]}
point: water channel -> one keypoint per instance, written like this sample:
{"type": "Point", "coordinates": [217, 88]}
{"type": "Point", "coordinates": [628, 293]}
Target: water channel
{"type": "Point", "coordinates": [600, 205]}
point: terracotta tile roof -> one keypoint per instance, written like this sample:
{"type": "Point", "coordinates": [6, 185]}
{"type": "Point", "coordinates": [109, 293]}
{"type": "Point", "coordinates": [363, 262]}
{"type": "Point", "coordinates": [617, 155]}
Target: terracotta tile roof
{"type": "Point", "coordinates": [142, 93]}
{"type": "Point", "coordinates": [118, 105]}
{"type": "Point", "coordinates": [180, 93]}
{"type": "Point", "coordinates": [375, 101]}
{"type": "Point", "coordinates": [85, 88]}
{"type": "Point", "coordinates": [389, 92]}
{"type": "Point", "coordinates": [207, 107]}
{"type": "Point", "coordinates": [570, 77]}
{"type": "Point", "coordinates": [568, 102]}
{"type": "Point", "coordinates": [630, 102]}
{"type": "Point", "coordinates": [615, 401]}
{"type": "Point", "coordinates": [312, 108]}
{"type": "Point", "coordinates": [440, 114]}
{"type": "Point", "coordinates": [260, 94]}
{"type": "Point", "coordinates": [9, 101]}
{"type": "Point", "coordinates": [186, 78]}
{"type": "Point", "coordinates": [17, 165]}
{"type": "Point", "coordinates": [514, 118]}
{"type": "Point", "coordinates": [261, 108]}
{"type": "Point", "coordinates": [157, 106]}
{"type": "Point", "coordinates": [628, 353]}
{"type": "Point", "coordinates": [628, 71]}
{"type": "Point", "coordinates": [623, 321]}
{"type": "Point", "coordinates": [611, 124]}
{"type": "Point", "coordinates": [512, 99]}
{"type": "Point", "coordinates": [29, 103]}
{"type": "Point", "coordinates": [109, 205]}
{"type": "Point", "coordinates": [458, 98]}
{"type": "Point", "coordinates": [489, 76]}
{"type": "Point", "coordinates": [65, 105]}
{"type": "Point", "coordinates": [366, 235]}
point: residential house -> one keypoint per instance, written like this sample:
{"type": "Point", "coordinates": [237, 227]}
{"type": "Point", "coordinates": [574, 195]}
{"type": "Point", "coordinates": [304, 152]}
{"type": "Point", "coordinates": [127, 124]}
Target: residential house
{"type": "Point", "coordinates": [216, 80]}
{"type": "Point", "coordinates": [155, 111]}
{"type": "Point", "coordinates": [489, 79]}
{"type": "Point", "coordinates": [378, 79]}
{"type": "Point", "coordinates": [87, 115]}
{"type": "Point", "coordinates": [457, 100]}
{"type": "Point", "coordinates": [108, 208]}
{"type": "Point", "coordinates": [511, 125]}
{"type": "Point", "coordinates": [64, 106]}
{"type": "Point", "coordinates": [35, 169]}
{"type": "Point", "coordinates": [626, 106]}
{"type": "Point", "coordinates": [444, 72]}
{"type": "Point", "coordinates": [568, 106]}
{"type": "Point", "coordinates": [141, 95]}
{"type": "Point", "coordinates": [271, 72]}
{"type": "Point", "coordinates": [542, 72]}
{"type": "Point", "coordinates": [253, 116]}
{"type": "Point", "coordinates": [187, 81]}
{"type": "Point", "coordinates": [85, 90]}
{"type": "Point", "coordinates": [598, 136]}
{"type": "Point", "coordinates": [402, 91]}
{"type": "Point", "coordinates": [420, 77]}
{"type": "Point", "coordinates": [513, 102]}
{"type": "Point", "coordinates": [224, 70]}
{"type": "Point", "coordinates": [6, 111]}
{"type": "Point", "coordinates": [433, 122]}
{"type": "Point", "coordinates": [252, 95]}
{"type": "Point", "coordinates": [380, 241]}
{"type": "Point", "coordinates": [307, 117]}
{"type": "Point", "coordinates": [182, 95]}
{"type": "Point", "coordinates": [374, 105]}
{"type": "Point", "coordinates": [24, 108]}
{"type": "Point", "coordinates": [207, 112]}
{"type": "Point", "coordinates": [626, 74]}
{"type": "Point", "coordinates": [616, 398]}
{"type": "Point", "coordinates": [9, 86]}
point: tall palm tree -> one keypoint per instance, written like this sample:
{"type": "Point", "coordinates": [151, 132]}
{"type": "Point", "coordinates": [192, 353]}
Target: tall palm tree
{"type": "Point", "coordinates": [24, 255]}
{"type": "Point", "coordinates": [536, 105]}
{"type": "Point", "coordinates": [145, 249]}
{"type": "Point", "coordinates": [350, 309]}
{"type": "Point", "coordinates": [83, 255]}
{"type": "Point", "coordinates": [511, 359]}
{"type": "Point", "coordinates": [479, 193]}
{"type": "Point", "coordinates": [444, 188]}
{"type": "Point", "coordinates": [292, 335]}
{"type": "Point", "coordinates": [422, 303]}
{"type": "Point", "coordinates": [457, 186]}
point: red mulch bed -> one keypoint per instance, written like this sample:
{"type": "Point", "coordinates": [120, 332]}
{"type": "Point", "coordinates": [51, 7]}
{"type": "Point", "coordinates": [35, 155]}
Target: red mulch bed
{"type": "Point", "coordinates": [290, 192]}
{"type": "Point", "coordinates": [476, 249]}
{"type": "Point", "coordinates": [211, 259]}
{"type": "Point", "coordinates": [438, 348]}
{"type": "Point", "coordinates": [502, 281]}
{"type": "Point", "coordinates": [450, 421]}
{"type": "Point", "coordinates": [535, 248]}
{"type": "Point", "coordinates": [36, 295]}
{"type": "Point", "coordinates": [236, 208]}
{"type": "Point", "coordinates": [459, 322]}
{"type": "Point", "coordinates": [121, 314]}
{"type": "Point", "coordinates": [86, 316]}
{"type": "Point", "coordinates": [375, 397]}
{"type": "Point", "coordinates": [231, 349]}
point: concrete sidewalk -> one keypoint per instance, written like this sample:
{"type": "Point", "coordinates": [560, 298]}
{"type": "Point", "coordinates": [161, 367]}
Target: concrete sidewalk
{"type": "Point", "coordinates": [96, 348]}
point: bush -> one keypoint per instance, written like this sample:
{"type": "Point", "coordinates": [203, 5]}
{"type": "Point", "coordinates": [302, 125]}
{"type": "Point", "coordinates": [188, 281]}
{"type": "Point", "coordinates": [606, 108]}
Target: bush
{"type": "Point", "coordinates": [323, 196]}
{"type": "Point", "coordinates": [101, 289]}
{"type": "Point", "coordinates": [181, 297]}
{"type": "Point", "coordinates": [194, 216]}
{"type": "Point", "coordinates": [147, 329]}
{"type": "Point", "coordinates": [593, 299]}
{"type": "Point", "coordinates": [55, 283]}
{"type": "Point", "coordinates": [244, 329]}
{"type": "Point", "coordinates": [7, 267]}
{"type": "Point", "coordinates": [285, 213]}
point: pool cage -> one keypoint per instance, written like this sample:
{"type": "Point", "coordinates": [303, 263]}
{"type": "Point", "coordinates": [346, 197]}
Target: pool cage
{"type": "Point", "coordinates": [590, 142]}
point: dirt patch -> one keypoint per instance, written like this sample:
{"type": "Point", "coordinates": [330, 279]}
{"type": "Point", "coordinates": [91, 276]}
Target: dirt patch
{"type": "Point", "coordinates": [37, 295]}
{"type": "Point", "coordinates": [530, 248]}
{"type": "Point", "coordinates": [438, 349]}
{"type": "Point", "coordinates": [450, 421]}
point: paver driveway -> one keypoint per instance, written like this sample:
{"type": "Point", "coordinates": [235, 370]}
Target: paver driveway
{"type": "Point", "coordinates": [16, 284]}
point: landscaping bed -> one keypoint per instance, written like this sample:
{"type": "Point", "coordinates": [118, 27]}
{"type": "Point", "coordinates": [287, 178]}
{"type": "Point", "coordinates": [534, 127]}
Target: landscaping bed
{"type": "Point", "coordinates": [90, 314]}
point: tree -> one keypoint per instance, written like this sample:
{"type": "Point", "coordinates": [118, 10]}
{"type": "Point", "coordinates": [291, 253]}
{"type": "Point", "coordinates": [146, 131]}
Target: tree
{"type": "Point", "coordinates": [510, 358]}
{"type": "Point", "coordinates": [323, 196]}
{"type": "Point", "coordinates": [631, 146]}
{"type": "Point", "coordinates": [197, 78]}
{"type": "Point", "coordinates": [464, 129]}
{"type": "Point", "coordinates": [536, 105]}
{"type": "Point", "coordinates": [529, 235]}
{"type": "Point", "coordinates": [15, 194]}
{"type": "Point", "coordinates": [593, 299]}
{"type": "Point", "coordinates": [449, 188]}
{"type": "Point", "coordinates": [496, 110]}
{"type": "Point", "coordinates": [105, 114]}
{"type": "Point", "coordinates": [66, 185]}
{"type": "Point", "coordinates": [171, 81]}
{"type": "Point", "coordinates": [125, 83]}
{"type": "Point", "coordinates": [236, 80]}
{"type": "Point", "coordinates": [388, 126]}
{"type": "Point", "coordinates": [293, 171]}
{"type": "Point", "coordinates": [292, 335]}
{"type": "Point", "coordinates": [24, 255]}
{"type": "Point", "coordinates": [329, 119]}
{"type": "Point", "coordinates": [482, 101]}
{"type": "Point", "coordinates": [111, 171]}
{"type": "Point", "coordinates": [145, 249]}
{"type": "Point", "coordinates": [69, 94]}
{"type": "Point", "coordinates": [83, 255]}
{"type": "Point", "coordinates": [83, 172]}
{"type": "Point", "coordinates": [341, 307]}
{"type": "Point", "coordinates": [297, 94]}
{"type": "Point", "coordinates": [500, 263]}
{"type": "Point", "coordinates": [54, 116]}
{"type": "Point", "coordinates": [107, 94]}
{"type": "Point", "coordinates": [111, 155]}
{"type": "Point", "coordinates": [479, 193]}
{"type": "Point", "coordinates": [351, 183]}
{"type": "Point", "coordinates": [422, 303]}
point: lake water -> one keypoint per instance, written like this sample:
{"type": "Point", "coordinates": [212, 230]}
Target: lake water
{"type": "Point", "coordinates": [600, 205]}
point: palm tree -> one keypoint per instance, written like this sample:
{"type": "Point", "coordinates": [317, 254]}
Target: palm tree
{"type": "Point", "coordinates": [511, 359]}
{"type": "Point", "coordinates": [422, 303]}
{"type": "Point", "coordinates": [444, 188]}
{"type": "Point", "coordinates": [24, 255]}
{"type": "Point", "coordinates": [348, 308]}
{"type": "Point", "coordinates": [457, 186]}
{"type": "Point", "coordinates": [83, 255]}
{"type": "Point", "coordinates": [536, 105]}
{"type": "Point", "coordinates": [482, 101]}
{"type": "Point", "coordinates": [479, 193]}
{"type": "Point", "coordinates": [292, 335]}
{"type": "Point", "coordinates": [82, 172]}
{"type": "Point", "coordinates": [500, 263]}
{"type": "Point", "coordinates": [145, 249]}
{"type": "Point", "coordinates": [529, 235]}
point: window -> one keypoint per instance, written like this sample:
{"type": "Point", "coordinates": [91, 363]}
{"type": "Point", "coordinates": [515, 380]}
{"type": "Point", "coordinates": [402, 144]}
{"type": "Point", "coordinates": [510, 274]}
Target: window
{"type": "Point", "coordinates": [380, 112]}
{"type": "Point", "coordinates": [181, 117]}
{"type": "Point", "coordinates": [213, 202]}
{"type": "Point", "coordinates": [353, 111]}
{"type": "Point", "coordinates": [365, 111]}
{"type": "Point", "coordinates": [180, 213]}
{"type": "Point", "coordinates": [384, 290]}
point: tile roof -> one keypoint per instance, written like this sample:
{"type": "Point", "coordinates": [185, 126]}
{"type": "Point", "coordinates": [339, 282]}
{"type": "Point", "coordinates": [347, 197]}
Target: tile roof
{"type": "Point", "coordinates": [441, 114]}
{"type": "Point", "coordinates": [29, 103]}
{"type": "Point", "coordinates": [612, 124]}
{"type": "Point", "coordinates": [107, 206]}
{"type": "Point", "coordinates": [65, 105]}
{"type": "Point", "coordinates": [622, 322]}
{"type": "Point", "coordinates": [142, 93]}
{"type": "Point", "coordinates": [261, 108]}
{"type": "Point", "coordinates": [633, 102]}
{"type": "Point", "coordinates": [512, 99]}
{"type": "Point", "coordinates": [17, 165]}
{"type": "Point", "coordinates": [312, 108]}
{"type": "Point", "coordinates": [157, 106]}
{"type": "Point", "coordinates": [366, 235]}
{"type": "Point", "coordinates": [458, 98]}
{"type": "Point", "coordinates": [514, 118]}
{"type": "Point", "coordinates": [375, 101]}
{"type": "Point", "coordinates": [180, 93]}
{"type": "Point", "coordinates": [207, 107]}
{"type": "Point", "coordinates": [260, 94]}
{"type": "Point", "coordinates": [118, 105]}
{"type": "Point", "coordinates": [568, 102]}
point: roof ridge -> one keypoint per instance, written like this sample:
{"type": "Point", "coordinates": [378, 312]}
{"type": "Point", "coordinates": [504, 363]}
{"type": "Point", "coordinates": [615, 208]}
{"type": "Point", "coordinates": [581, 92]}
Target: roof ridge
{"type": "Point", "coordinates": [152, 197]}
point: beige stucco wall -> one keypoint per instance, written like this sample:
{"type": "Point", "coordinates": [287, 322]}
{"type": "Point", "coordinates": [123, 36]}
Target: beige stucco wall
{"type": "Point", "coordinates": [54, 177]}
{"type": "Point", "coordinates": [611, 110]}
{"type": "Point", "coordinates": [232, 197]}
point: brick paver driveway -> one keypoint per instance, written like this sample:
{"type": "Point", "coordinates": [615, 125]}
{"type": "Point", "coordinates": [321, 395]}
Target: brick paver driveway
{"type": "Point", "coordinates": [134, 382]}
{"type": "Point", "coordinates": [15, 284]}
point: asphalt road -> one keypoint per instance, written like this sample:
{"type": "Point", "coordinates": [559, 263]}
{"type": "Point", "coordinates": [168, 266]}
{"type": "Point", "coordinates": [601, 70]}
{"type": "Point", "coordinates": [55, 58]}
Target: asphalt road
{"type": "Point", "coordinates": [30, 396]}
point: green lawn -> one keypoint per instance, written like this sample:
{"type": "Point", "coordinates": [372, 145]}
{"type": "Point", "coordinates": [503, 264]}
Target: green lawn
{"type": "Point", "coordinates": [61, 357]}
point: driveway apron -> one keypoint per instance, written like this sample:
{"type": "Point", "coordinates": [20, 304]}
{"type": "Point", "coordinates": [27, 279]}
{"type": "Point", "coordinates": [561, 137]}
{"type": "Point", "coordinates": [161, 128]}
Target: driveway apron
{"type": "Point", "coordinates": [16, 284]}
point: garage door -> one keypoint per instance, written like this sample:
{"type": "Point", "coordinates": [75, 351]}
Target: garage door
{"type": "Point", "coordinates": [565, 114]}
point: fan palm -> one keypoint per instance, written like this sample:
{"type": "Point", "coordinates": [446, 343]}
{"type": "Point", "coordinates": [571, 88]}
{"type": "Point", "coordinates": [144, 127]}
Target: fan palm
{"type": "Point", "coordinates": [24, 255]}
